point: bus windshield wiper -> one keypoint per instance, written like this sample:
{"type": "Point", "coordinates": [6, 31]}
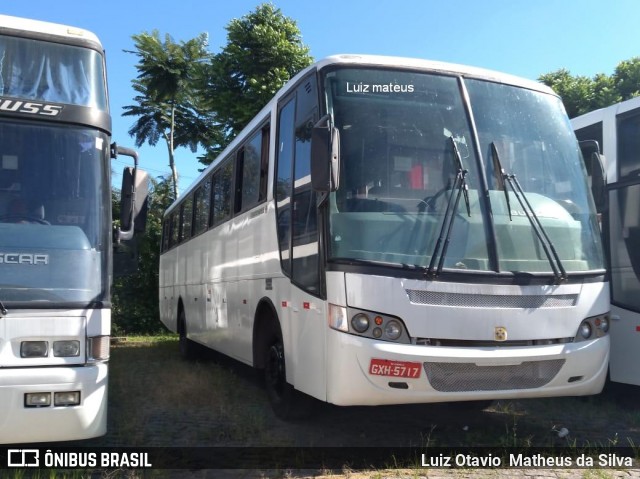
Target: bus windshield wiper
{"type": "Point", "coordinates": [502, 179]}
{"type": "Point", "coordinates": [3, 310]}
{"type": "Point", "coordinates": [460, 188]}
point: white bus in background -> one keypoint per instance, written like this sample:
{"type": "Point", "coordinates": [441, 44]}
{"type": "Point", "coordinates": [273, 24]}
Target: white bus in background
{"type": "Point", "coordinates": [391, 231]}
{"type": "Point", "coordinates": [55, 232]}
{"type": "Point", "coordinates": [616, 129]}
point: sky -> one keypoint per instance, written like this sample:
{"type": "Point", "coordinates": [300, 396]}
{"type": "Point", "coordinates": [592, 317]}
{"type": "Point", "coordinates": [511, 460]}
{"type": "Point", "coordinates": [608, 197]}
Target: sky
{"type": "Point", "coordinates": [527, 38]}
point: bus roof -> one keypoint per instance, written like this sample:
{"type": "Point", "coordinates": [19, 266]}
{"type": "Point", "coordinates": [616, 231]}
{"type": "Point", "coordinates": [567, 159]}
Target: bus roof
{"type": "Point", "coordinates": [596, 116]}
{"type": "Point", "coordinates": [64, 33]}
{"type": "Point", "coordinates": [371, 61]}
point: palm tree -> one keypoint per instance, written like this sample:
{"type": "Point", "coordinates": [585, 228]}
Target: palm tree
{"type": "Point", "coordinates": [167, 100]}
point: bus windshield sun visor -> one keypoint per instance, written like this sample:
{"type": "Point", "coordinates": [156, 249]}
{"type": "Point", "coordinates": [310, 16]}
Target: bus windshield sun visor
{"type": "Point", "coordinates": [460, 188]}
{"type": "Point", "coordinates": [502, 179]}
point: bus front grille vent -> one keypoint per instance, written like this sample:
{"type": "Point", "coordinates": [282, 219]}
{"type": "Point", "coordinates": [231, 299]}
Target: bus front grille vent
{"type": "Point", "coordinates": [462, 300]}
{"type": "Point", "coordinates": [460, 377]}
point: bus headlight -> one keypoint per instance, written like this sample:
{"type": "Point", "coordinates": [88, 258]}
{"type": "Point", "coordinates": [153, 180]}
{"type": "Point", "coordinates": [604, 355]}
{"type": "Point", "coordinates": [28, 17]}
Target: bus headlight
{"type": "Point", "coordinates": [360, 322]}
{"type": "Point", "coordinates": [376, 326]}
{"type": "Point", "coordinates": [66, 398]}
{"type": "Point", "coordinates": [593, 327]}
{"type": "Point", "coordinates": [37, 400]}
{"type": "Point", "coordinates": [602, 323]}
{"type": "Point", "coordinates": [585, 330]}
{"type": "Point", "coordinates": [66, 349]}
{"type": "Point", "coordinates": [393, 330]}
{"type": "Point", "coordinates": [34, 349]}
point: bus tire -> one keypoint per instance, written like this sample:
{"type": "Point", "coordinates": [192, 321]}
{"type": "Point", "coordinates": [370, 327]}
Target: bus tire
{"type": "Point", "coordinates": [287, 402]}
{"type": "Point", "coordinates": [188, 349]}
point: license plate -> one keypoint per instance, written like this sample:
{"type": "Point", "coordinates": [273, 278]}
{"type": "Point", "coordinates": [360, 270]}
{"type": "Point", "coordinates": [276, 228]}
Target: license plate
{"type": "Point", "coordinates": [396, 369]}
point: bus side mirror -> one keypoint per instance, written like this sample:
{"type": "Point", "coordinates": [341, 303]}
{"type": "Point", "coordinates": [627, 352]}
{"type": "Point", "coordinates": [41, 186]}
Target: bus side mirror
{"type": "Point", "coordinates": [134, 200]}
{"type": "Point", "coordinates": [325, 156]}
{"type": "Point", "coordinates": [594, 163]}
{"type": "Point", "coordinates": [134, 197]}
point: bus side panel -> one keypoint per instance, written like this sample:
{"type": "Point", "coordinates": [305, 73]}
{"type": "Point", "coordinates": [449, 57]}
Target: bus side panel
{"type": "Point", "coordinates": [305, 347]}
{"type": "Point", "coordinates": [167, 296]}
{"type": "Point", "coordinates": [195, 296]}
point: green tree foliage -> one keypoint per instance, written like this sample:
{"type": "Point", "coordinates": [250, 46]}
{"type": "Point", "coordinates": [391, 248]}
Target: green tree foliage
{"type": "Point", "coordinates": [264, 50]}
{"type": "Point", "coordinates": [582, 94]}
{"type": "Point", "coordinates": [627, 78]}
{"type": "Point", "coordinates": [135, 297]}
{"type": "Point", "coordinates": [167, 101]}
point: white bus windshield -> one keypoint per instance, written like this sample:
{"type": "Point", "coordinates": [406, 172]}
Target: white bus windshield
{"type": "Point", "coordinates": [37, 70]}
{"type": "Point", "coordinates": [398, 130]}
{"type": "Point", "coordinates": [54, 224]}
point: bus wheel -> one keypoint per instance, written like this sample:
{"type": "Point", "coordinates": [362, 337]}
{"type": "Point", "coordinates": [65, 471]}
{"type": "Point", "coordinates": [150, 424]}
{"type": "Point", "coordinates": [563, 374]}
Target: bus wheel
{"type": "Point", "coordinates": [188, 349]}
{"type": "Point", "coordinates": [286, 401]}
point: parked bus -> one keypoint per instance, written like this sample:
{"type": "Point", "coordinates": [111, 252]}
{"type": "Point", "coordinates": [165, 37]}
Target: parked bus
{"type": "Point", "coordinates": [616, 129]}
{"type": "Point", "coordinates": [55, 232]}
{"type": "Point", "coordinates": [391, 231]}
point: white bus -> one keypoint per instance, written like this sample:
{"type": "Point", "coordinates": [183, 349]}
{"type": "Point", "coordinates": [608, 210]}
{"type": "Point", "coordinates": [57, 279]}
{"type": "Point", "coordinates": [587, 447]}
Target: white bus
{"type": "Point", "coordinates": [392, 231]}
{"type": "Point", "coordinates": [616, 129]}
{"type": "Point", "coordinates": [55, 232]}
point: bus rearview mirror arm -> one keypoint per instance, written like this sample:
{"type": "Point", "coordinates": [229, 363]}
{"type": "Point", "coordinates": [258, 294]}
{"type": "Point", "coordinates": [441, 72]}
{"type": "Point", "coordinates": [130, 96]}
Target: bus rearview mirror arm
{"type": "Point", "coordinates": [325, 156]}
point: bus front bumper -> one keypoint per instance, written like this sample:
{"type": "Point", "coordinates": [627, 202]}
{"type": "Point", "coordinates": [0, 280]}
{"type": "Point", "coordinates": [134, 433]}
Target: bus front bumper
{"type": "Point", "coordinates": [20, 423]}
{"type": "Point", "coordinates": [362, 371]}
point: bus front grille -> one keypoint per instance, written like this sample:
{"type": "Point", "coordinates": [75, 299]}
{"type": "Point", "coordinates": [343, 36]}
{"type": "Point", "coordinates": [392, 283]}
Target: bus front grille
{"type": "Point", "coordinates": [462, 300]}
{"type": "Point", "coordinates": [460, 377]}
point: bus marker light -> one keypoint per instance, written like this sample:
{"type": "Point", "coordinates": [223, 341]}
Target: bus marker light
{"type": "Point", "coordinates": [98, 348]}
{"type": "Point", "coordinates": [338, 318]}
{"type": "Point", "coordinates": [377, 332]}
{"type": "Point", "coordinates": [399, 369]}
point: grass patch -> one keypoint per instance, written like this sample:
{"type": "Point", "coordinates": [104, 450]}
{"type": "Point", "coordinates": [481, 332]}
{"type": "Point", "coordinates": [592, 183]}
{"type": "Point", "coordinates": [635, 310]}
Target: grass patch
{"type": "Point", "coordinates": [158, 399]}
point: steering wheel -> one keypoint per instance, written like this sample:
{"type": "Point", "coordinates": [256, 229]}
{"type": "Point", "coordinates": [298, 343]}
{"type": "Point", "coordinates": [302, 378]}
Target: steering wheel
{"type": "Point", "coordinates": [18, 218]}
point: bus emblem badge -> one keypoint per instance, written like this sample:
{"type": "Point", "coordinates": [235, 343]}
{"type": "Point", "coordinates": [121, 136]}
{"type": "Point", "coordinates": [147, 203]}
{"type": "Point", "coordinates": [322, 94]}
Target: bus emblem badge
{"type": "Point", "coordinates": [500, 333]}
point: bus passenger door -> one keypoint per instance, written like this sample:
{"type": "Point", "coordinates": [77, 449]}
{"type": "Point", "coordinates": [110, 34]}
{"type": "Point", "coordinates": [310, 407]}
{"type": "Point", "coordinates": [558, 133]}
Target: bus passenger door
{"type": "Point", "coordinates": [302, 309]}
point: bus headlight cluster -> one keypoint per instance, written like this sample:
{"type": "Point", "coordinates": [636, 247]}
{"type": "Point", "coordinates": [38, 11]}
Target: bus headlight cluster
{"type": "Point", "coordinates": [40, 349]}
{"type": "Point", "coordinates": [368, 324]}
{"type": "Point", "coordinates": [593, 327]}
{"type": "Point", "coordinates": [60, 399]}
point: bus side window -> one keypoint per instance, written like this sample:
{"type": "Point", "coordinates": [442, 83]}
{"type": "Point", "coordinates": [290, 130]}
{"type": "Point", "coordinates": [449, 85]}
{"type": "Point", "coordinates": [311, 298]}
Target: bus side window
{"type": "Point", "coordinates": [186, 219]}
{"type": "Point", "coordinates": [304, 235]}
{"type": "Point", "coordinates": [249, 175]}
{"type": "Point", "coordinates": [221, 191]}
{"type": "Point", "coordinates": [283, 180]}
{"type": "Point", "coordinates": [201, 205]}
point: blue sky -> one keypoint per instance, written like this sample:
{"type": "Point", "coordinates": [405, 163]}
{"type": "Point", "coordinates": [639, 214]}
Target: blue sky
{"type": "Point", "coordinates": [526, 38]}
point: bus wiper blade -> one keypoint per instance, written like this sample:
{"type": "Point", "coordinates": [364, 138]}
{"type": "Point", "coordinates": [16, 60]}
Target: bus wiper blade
{"type": "Point", "coordinates": [547, 245]}
{"type": "Point", "coordinates": [3, 310]}
{"type": "Point", "coordinates": [463, 172]}
{"type": "Point", "coordinates": [460, 188]}
{"type": "Point", "coordinates": [501, 176]}
{"type": "Point", "coordinates": [375, 262]}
